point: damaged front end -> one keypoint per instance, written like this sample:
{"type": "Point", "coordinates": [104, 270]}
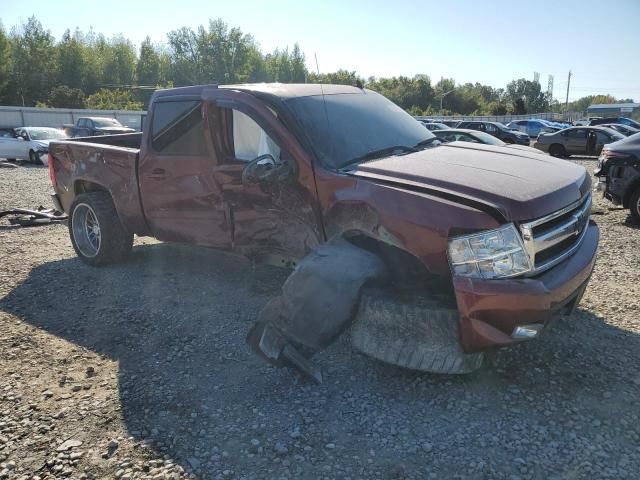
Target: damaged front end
{"type": "Point", "coordinates": [318, 303]}
{"type": "Point", "coordinates": [395, 312]}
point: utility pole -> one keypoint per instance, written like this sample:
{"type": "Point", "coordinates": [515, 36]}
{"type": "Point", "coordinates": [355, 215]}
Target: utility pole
{"type": "Point", "coordinates": [566, 103]}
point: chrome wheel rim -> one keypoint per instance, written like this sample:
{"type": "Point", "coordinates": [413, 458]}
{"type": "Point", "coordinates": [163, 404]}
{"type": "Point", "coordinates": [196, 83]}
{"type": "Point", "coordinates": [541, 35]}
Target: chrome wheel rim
{"type": "Point", "coordinates": [86, 230]}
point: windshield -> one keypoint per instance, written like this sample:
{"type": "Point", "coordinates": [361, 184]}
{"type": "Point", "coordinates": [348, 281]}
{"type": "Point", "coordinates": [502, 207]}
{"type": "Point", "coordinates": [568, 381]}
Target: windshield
{"type": "Point", "coordinates": [46, 134]}
{"type": "Point", "coordinates": [486, 138]}
{"type": "Point", "coordinates": [106, 122]}
{"type": "Point", "coordinates": [344, 127]}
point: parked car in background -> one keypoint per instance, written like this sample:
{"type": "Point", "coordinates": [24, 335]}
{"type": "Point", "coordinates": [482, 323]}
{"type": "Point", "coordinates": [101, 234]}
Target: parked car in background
{"type": "Point", "coordinates": [623, 129]}
{"type": "Point", "coordinates": [576, 141]}
{"type": "Point", "coordinates": [618, 173]}
{"type": "Point", "coordinates": [474, 136]}
{"type": "Point", "coordinates": [498, 130]}
{"type": "Point", "coordinates": [451, 123]}
{"type": "Point", "coordinates": [583, 122]}
{"type": "Point", "coordinates": [533, 127]}
{"type": "Point", "coordinates": [435, 126]}
{"type": "Point", "coordinates": [92, 126]}
{"type": "Point", "coordinates": [28, 143]}
{"type": "Point", "coordinates": [619, 120]}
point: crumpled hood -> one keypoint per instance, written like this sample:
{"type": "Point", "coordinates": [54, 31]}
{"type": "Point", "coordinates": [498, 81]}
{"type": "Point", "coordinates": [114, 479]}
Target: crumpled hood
{"type": "Point", "coordinates": [520, 185]}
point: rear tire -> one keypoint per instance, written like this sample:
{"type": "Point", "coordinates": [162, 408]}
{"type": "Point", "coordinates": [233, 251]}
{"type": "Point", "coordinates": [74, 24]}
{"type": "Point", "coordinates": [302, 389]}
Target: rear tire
{"type": "Point", "coordinates": [634, 205]}
{"type": "Point", "coordinates": [557, 150]}
{"type": "Point", "coordinates": [416, 333]}
{"type": "Point", "coordinates": [97, 235]}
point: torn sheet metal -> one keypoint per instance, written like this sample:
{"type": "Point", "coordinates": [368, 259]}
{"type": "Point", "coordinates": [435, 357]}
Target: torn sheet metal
{"type": "Point", "coordinates": [318, 303]}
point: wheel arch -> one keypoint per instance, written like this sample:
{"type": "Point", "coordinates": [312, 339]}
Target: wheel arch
{"type": "Point", "coordinates": [635, 186]}
{"type": "Point", "coordinates": [86, 186]}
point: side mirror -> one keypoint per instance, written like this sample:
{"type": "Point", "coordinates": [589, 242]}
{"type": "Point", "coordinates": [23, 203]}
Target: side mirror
{"type": "Point", "coordinates": [265, 169]}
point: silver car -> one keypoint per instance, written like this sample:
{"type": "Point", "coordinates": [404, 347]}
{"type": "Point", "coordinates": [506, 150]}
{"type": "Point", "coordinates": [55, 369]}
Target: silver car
{"type": "Point", "coordinates": [576, 141]}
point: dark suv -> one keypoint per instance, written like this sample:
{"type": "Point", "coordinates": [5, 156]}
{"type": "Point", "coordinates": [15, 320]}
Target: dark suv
{"type": "Point", "coordinates": [618, 173]}
{"type": "Point", "coordinates": [498, 130]}
{"type": "Point", "coordinates": [621, 120]}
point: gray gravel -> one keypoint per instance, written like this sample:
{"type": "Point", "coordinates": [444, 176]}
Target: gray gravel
{"type": "Point", "coordinates": [141, 371]}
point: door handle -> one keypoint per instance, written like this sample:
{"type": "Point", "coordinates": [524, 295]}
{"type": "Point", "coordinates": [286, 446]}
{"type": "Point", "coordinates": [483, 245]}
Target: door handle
{"type": "Point", "coordinates": [158, 173]}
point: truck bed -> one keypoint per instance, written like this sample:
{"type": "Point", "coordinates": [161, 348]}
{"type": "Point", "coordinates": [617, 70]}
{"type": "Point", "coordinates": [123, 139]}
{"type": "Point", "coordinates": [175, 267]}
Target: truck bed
{"type": "Point", "coordinates": [128, 140]}
{"type": "Point", "coordinates": [106, 163]}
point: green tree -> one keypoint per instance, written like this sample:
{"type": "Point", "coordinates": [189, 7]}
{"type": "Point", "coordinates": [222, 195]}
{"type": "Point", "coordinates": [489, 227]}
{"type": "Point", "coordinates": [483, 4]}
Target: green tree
{"type": "Point", "coordinates": [118, 61]}
{"type": "Point", "coordinates": [341, 77]}
{"type": "Point", "coordinates": [528, 94]}
{"type": "Point", "coordinates": [213, 54]}
{"type": "Point", "coordinates": [148, 68]}
{"type": "Point", "coordinates": [105, 99]}
{"type": "Point", "coordinates": [285, 67]}
{"type": "Point", "coordinates": [34, 61]}
{"type": "Point", "coordinates": [5, 65]}
{"type": "Point", "coordinates": [72, 60]}
{"type": "Point", "coordinates": [65, 97]}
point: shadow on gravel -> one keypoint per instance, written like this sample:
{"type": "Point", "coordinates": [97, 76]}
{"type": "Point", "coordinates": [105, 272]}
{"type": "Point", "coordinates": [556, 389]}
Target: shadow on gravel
{"type": "Point", "coordinates": [175, 319]}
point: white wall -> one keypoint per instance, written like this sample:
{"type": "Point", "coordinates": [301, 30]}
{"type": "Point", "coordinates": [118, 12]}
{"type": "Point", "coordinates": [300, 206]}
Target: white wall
{"type": "Point", "coordinates": [57, 117]}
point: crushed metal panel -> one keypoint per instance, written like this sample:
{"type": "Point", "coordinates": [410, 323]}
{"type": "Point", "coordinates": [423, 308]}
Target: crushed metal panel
{"type": "Point", "coordinates": [318, 303]}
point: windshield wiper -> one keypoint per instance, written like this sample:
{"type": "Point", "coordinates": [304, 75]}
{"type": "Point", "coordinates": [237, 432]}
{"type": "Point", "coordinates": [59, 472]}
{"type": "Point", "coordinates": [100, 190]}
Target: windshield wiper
{"type": "Point", "coordinates": [426, 142]}
{"type": "Point", "coordinates": [380, 153]}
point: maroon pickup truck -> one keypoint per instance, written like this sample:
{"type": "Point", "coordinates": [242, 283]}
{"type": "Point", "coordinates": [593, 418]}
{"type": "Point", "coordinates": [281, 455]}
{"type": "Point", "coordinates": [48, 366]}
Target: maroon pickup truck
{"type": "Point", "coordinates": [427, 254]}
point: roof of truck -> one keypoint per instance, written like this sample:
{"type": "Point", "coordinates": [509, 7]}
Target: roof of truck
{"type": "Point", "coordinates": [281, 90]}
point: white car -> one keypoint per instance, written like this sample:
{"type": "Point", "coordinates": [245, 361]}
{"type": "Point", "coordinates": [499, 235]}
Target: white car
{"type": "Point", "coordinates": [28, 143]}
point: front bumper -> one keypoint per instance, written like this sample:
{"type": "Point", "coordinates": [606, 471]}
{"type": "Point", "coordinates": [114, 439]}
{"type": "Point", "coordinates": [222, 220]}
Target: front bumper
{"type": "Point", "coordinates": [490, 310]}
{"type": "Point", "coordinates": [523, 141]}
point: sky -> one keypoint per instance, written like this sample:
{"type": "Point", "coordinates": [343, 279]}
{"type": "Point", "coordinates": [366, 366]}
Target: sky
{"type": "Point", "coordinates": [486, 41]}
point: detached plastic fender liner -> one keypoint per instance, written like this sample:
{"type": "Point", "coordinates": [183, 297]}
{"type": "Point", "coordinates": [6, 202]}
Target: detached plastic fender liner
{"type": "Point", "coordinates": [318, 303]}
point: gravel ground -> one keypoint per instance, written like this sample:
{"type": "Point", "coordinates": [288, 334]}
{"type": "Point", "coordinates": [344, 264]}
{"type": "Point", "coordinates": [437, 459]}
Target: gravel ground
{"type": "Point", "coordinates": [141, 371]}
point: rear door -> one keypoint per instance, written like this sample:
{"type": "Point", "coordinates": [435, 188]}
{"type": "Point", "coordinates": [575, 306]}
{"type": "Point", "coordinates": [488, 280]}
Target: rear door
{"type": "Point", "coordinates": [180, 194]}
{"type": "Point", "coordinates": [601, 139]}
{"type": "Point", "coordinates": [575, 140]}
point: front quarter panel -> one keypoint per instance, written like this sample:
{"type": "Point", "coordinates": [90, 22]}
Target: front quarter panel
{"type": "Point", "coordinates": [414, 221]}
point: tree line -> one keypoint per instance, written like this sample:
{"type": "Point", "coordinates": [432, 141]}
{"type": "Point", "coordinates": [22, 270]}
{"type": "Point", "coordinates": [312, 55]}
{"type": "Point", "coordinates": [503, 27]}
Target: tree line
{"type": "Point", "coordinates": [88, 70]}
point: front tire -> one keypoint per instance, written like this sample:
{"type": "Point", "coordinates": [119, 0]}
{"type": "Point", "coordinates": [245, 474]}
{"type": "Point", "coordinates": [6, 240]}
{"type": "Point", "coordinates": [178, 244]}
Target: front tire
{"type": "Point", "coordinates": [97, 235]}
{"type": "Point", "coordinates": [414, 333]}
{"type": "Point", "coordinates": [34, 158]}
{"type": "Point", "coordinates": [634, 205]}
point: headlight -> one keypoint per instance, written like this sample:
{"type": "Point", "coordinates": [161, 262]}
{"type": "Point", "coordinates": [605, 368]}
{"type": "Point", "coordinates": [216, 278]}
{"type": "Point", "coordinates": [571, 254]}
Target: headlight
{"type": "Point", "coordinates": [489, 254]}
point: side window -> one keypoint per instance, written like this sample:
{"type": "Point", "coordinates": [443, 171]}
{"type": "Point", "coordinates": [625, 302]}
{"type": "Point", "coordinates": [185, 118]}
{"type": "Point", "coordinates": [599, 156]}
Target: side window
{"type": "Point", "coordinates": [489, 128]}
{"type": "Point", "coordinates": [82, 123]}
{"type": "Point", "coordinates": [603, 137]}
{"type": "Point", "coordinates": [577, 134]}
{"type": "Point", "coordinates": [176, 128]}
{"type": "Point", "coordinates": [250, 140]}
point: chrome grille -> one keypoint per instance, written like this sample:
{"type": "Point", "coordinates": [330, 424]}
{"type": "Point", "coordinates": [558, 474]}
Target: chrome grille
{"type": "Point", "coordinates": [551, 239]}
